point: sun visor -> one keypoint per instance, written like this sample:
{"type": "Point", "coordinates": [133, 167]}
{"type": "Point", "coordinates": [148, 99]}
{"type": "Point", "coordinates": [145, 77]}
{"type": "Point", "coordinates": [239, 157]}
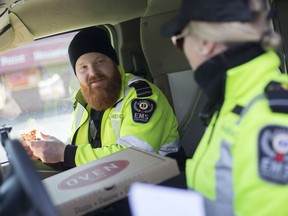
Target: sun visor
{"type": "Point", "coordinates": [6, 31]}
{"type": "Point", "coordinates": [13, 32]}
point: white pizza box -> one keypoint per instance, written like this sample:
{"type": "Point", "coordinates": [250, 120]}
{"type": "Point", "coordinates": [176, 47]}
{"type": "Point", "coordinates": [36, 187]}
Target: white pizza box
{"type": "Point", "coordinates": [96, 184]}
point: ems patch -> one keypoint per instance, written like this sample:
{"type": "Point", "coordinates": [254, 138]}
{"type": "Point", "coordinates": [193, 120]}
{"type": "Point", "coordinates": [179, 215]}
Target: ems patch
{"type": "Point", "coordinates": [142, 110]}
{"type": "Point", "coordinates": [273, 154]}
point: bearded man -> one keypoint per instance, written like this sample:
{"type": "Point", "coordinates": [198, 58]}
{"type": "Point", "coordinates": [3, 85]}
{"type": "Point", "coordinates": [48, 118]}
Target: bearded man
{"type": "Point", "coordinates": [113, 109]}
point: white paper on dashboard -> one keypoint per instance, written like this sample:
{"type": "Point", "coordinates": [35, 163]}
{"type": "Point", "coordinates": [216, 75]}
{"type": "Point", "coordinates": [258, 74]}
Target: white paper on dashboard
{"type": "Point", "coordinates": [155, 200]}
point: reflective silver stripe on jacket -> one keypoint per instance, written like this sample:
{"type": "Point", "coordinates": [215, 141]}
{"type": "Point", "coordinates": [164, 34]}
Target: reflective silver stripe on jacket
{"type": "Point", "coordinates": [79, 115]}
{"type": "Point", "coordinates": [223, 205]}
{"type": "Point", "coordinates": [169, 148]}
{"type": "Point", "coordinates": [131, 141]}
{"type": "Point", "coordinates": [118, 107]}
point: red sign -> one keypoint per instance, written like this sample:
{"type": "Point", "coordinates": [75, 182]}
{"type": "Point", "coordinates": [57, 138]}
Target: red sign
{"type": "Point", "coordinates": [93, 174]}
{"type": "Point", "coordinates": [28, 79]}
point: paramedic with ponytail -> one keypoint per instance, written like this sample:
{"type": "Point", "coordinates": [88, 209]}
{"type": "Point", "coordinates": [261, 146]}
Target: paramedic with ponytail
{"type": "Point", "coordinates": [241, 163]}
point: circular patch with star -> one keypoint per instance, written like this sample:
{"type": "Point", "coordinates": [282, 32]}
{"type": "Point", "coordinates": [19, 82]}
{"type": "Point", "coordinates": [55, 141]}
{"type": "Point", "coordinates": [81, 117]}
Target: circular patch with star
{"type": "Point", "coordinates": [142, 110]}
{"type": "Point", "coordinates": [273, 154]}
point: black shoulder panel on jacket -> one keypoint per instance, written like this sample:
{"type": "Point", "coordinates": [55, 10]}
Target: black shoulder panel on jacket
{"type": "Point", "coordinates": [277, 94]}
{"type": "Point", "coordinates": [142, 88]}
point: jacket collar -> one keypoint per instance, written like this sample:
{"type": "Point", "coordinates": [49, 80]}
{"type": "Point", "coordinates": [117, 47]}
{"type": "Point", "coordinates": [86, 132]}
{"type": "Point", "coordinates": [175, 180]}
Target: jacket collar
{"type": "Point", "coordinates": [211, 76]}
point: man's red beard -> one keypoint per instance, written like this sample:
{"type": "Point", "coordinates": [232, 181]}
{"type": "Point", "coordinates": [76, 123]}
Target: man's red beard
{"type": "Point", "coordinates": [104, 96]}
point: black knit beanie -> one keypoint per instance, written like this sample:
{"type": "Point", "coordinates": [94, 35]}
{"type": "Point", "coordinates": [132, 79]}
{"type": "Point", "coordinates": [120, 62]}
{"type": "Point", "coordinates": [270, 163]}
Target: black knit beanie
{"type": "Point", "coordinates": [88, 40]}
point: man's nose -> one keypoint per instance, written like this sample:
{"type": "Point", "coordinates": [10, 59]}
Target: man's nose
{"type": "Point", "coordinates": [94, 70]}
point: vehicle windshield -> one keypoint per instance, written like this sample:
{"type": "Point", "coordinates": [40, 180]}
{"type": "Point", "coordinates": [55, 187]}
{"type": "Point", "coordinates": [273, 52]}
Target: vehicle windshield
{"type": "Point", "coordinates": [37, 88]}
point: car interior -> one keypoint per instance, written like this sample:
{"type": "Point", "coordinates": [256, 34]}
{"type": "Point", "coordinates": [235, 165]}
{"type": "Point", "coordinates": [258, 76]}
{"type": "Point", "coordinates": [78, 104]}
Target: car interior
{"type": "Point", "coordinates": [37, 83]}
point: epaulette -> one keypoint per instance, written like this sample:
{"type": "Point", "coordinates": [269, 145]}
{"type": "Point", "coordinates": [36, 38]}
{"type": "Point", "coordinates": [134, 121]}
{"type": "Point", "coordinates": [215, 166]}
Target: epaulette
{"type": "Point", "coordinates": [142, 88]}
{"type": "Point", "coordinates": [277, 94]}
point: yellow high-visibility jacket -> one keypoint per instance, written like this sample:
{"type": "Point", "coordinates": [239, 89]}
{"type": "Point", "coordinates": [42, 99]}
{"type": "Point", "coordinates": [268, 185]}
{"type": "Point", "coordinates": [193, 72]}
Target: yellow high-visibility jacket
{"type": "Point", "coordinates": [241, 163]}
{"type": "Point", "coordinates": [145, 120]}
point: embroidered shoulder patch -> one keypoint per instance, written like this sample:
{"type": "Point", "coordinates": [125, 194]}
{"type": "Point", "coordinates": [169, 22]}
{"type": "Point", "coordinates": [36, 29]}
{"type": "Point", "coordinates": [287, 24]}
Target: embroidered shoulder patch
{"type": "Point", "coordinates": [142, 110]}
{"type": "Point", "coordinates": [273, 154]}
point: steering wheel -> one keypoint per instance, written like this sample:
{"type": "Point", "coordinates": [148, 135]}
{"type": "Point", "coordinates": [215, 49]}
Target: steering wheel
{"type": "Point", "coordinates": [23, 189]}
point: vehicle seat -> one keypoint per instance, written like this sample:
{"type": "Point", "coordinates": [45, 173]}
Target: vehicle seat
{"type": "Point", "coordinates": [173, 75]}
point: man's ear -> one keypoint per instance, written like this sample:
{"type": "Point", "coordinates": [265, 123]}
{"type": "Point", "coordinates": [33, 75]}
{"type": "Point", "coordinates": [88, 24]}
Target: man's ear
{"type": "Point", "coordinates": [207, 47]}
